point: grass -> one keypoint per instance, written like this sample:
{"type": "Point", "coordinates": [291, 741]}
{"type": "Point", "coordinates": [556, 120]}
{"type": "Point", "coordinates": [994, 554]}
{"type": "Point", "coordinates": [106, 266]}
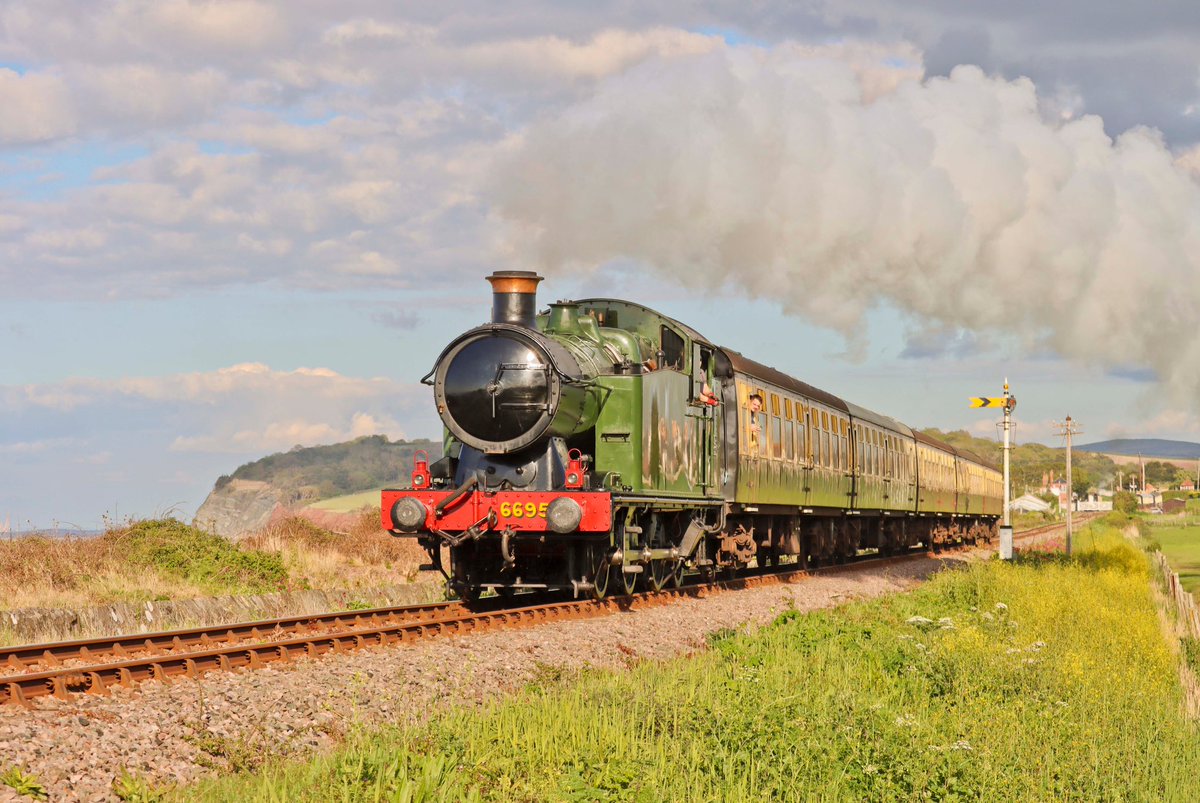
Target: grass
{"type": "Point", "coordinates": [165, 559]}
{"type": "Point", "coordinates": [1181, 545]}
{"type": "Point", "coordinates": [147, 560]}
{"type": "Point", "coordinates": [349, 503]}
{"type": "Point", "coordinates": [23, 784]}
{"type": "Point", "coordinates": [363, 557]}
{"type": "Point", "coordinates": [1029, 520]}
{"type": "Point", "coordinates": [1045, 678]}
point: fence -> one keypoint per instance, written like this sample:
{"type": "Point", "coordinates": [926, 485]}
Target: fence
{"type": "Point", "coordinates": [1183, 601]}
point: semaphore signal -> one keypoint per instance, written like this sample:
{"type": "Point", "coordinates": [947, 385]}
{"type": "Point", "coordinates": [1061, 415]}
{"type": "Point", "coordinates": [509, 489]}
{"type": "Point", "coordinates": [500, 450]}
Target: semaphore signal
{"type": "Point", "coordinates": [1007, 402]}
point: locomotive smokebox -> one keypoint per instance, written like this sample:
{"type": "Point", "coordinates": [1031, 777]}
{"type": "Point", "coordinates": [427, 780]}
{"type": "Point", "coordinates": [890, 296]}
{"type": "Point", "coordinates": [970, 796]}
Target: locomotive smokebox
{"type": "Point", "coordinates": [514, 297]}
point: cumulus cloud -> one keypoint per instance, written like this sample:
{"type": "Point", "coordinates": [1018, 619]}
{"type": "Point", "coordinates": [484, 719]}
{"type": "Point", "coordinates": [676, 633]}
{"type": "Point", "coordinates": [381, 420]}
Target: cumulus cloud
{"type": "Point", "coordinates": [952, 198]}
{"type": "Point", "coordinates": [36, 108]}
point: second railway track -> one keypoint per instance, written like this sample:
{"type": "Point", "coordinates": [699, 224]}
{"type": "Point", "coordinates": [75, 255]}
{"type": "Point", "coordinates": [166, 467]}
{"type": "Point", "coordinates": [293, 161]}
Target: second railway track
{"type": "Point", "coordinates": [95, 665]}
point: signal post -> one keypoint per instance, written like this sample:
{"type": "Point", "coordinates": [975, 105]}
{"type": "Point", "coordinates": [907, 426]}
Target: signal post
{"type": "Point", "coordinates": [1008, 402]}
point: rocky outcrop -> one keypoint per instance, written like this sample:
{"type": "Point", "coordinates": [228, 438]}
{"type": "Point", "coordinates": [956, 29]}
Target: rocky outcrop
{"type": "Point", "coordinates": [238, 507]}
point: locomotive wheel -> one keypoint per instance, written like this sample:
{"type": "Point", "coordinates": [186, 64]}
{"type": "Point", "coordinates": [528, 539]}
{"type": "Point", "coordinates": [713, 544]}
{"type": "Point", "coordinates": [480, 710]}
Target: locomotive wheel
{"type": "Point", "coordinates": [627, 582]}
{"type": "Point", "coordinates": [676, 578]}
{"type": "Point", "coordinates": [601, 575]}
{"type": "Point", "coordinates": [657, 574]}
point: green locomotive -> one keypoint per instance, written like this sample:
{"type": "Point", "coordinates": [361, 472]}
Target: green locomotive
{"type": "Point", "coordinates": [601, 447]}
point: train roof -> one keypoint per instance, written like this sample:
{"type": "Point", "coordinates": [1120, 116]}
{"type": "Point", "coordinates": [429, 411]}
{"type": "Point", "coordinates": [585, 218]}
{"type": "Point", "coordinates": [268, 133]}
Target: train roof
{"type": "Point", "coordinates": [934, 442]}
{"type": "Point", "coordinates": [752, 368]}
{"type": "Point", "coordinates": [740, 362]}
{"type": "Point", "coordinates": [879, 420]}
{"type": "Point", "coordinates": [745, 365]}
{"type": "Point", "coordinates": [688, 331]}
{"type": "Point", "coordinates": [945, 447]}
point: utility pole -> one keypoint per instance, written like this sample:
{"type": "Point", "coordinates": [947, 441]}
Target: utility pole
{"type": "Point", "coordinates": [1067, 429]}
{"type": "Point", "coordinates": [1008, 402]}
{"type": "Point", "coordinates": [1142, 461]}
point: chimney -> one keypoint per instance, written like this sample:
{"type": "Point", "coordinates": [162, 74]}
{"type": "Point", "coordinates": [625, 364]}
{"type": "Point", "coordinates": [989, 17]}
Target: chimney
{"type": "Point", "coordinates": [514, 297]}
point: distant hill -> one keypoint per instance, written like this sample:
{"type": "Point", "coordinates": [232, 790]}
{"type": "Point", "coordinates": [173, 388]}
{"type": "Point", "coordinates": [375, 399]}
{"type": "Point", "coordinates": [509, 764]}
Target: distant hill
{"type": "Point", "coordinates": [1147, 447]}
{"type": "Point", "coordinates": [247, 499]}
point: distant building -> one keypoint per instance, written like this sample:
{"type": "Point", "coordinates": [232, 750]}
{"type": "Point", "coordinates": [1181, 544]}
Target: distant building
{"type": "Point", "coordinates": [1173, 506]}
{"type": "Point", "coordinates": [1030, 504]}
{"type": "Point", "coordinates": [1187, 485]}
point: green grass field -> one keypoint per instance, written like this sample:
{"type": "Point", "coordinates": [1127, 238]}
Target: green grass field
{"type": "Point", "coordinates": [1044, 679]}
{"type": "Point", "coordinates": [1181, 545]}
{"type": "Point", "coordinates": [349, 503]}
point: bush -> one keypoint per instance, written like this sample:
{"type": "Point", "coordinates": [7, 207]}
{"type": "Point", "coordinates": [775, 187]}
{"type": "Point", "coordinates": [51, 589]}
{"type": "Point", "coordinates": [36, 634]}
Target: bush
{"type": "Point", "coordinates": [208, 560]}
{"type": "Point", "coordinates": [1125, 502]}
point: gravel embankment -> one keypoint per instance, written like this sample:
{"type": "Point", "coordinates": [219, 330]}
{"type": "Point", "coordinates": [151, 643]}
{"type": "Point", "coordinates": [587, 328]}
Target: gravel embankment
{"type": "Point", "coordinates": [180, 731]}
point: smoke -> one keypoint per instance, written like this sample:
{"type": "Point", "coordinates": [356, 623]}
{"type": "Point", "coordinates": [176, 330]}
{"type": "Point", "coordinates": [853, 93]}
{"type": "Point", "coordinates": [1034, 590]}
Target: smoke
{"type": "Point", "coordinates": [965, 201]}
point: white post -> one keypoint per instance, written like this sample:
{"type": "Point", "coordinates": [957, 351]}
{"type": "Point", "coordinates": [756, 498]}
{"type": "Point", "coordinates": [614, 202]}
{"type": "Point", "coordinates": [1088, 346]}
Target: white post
{"type": "Point", "coordinates": [1070, 491]}
{"type": "Point", "coordinates": [1006, 531]}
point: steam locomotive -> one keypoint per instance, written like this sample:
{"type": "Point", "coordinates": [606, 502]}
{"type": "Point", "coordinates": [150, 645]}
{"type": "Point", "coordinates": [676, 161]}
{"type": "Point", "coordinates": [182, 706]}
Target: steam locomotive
{"type": "Point", "coordinates": [601, 447]}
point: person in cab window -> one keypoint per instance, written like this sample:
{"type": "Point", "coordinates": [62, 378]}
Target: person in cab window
{"type": "Point", "coordinates": [755, 405]}
{"type": "Point", "coordinates": [707, 396]}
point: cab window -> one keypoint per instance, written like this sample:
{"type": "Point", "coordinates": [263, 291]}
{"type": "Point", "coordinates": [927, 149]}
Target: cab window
{"type": "Point", "coordinates": [672, 349]}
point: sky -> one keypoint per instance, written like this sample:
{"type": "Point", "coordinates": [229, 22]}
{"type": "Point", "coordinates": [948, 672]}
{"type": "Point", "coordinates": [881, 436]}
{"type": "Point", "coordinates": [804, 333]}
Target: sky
{"type": "Point", "coordinates": [230, 228]}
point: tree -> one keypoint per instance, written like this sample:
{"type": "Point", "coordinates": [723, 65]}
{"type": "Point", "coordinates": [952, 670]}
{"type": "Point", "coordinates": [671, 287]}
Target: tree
{"type": "Point", "coordinates": [1125, 502]}
{"type": "Point", "coordinates": [1081, 482]}
{"type": "Point", "coordinates": [1159, 473]}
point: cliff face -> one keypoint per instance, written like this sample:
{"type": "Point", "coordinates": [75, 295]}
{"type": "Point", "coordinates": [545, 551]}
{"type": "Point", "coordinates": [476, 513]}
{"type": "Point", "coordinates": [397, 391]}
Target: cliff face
{"type": "Point", "coordinates": [289, 481]}
{"type": "Point", "coordinates": [238, 507]}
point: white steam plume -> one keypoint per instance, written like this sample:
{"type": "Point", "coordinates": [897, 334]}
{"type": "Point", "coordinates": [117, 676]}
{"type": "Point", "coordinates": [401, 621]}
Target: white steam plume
{"type": "Point", "coordinates": [953, 198]}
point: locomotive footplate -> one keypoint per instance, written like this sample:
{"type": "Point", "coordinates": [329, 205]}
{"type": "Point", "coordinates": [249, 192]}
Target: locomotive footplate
{"type": "Point", "coordinates": [452, 512]}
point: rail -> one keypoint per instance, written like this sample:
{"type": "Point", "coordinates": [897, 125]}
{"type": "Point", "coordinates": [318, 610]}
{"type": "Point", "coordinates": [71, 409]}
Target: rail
{"type": "Point", "coordinates": [95, 665]}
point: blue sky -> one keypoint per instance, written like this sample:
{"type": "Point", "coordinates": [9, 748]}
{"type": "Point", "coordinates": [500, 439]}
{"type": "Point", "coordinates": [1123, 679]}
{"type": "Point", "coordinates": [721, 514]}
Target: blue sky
{"type": "Point", "coordinates": [229, 228]}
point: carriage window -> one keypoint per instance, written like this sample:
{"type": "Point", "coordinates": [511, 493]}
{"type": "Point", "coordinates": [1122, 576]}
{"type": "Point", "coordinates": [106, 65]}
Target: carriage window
{"type": "Point", "coordinates": [787, 409]}
{"type": "Point", "coordinates": [776, 436]}
{"type": "Point", "coordinates": [672, 349]}
{"type": "Point", "coordinates": [801, 441]}
{"type": "Point", "coordinates": [826, 449]}
{"type": "Point", "coordinates": [788, 443]}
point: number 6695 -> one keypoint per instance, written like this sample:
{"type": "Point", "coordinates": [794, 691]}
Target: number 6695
{"type": "Point", "coordinates": [527, 510]}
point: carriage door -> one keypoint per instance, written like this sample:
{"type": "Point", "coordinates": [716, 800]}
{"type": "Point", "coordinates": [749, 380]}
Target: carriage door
{"type": "Point", "coordinates": [703, 415]}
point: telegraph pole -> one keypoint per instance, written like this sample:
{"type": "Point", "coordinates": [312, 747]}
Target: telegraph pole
{"type": "Point", "coordinates": [1142, 489]}
{"type": "Point", "coordinates": [1067, 429]}
{"type": "Point", "coordinates": [1008, 402]}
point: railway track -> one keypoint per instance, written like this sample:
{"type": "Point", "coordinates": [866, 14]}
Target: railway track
{"type": "Point", "coordinates": [93, 666]}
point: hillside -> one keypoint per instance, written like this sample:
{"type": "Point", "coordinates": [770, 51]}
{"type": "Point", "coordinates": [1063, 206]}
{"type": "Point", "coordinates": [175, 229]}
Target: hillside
{"type": "Point", "coordinates": [1146, 447]}
{"type": "Point", "coordinates": [247, 499]}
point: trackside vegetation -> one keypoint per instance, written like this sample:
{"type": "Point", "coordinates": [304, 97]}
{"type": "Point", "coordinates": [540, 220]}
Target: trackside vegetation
{"type": "Point", "coordinates": [165, 559]}
{"type": "Point", "coordinates": [1043, 679]}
